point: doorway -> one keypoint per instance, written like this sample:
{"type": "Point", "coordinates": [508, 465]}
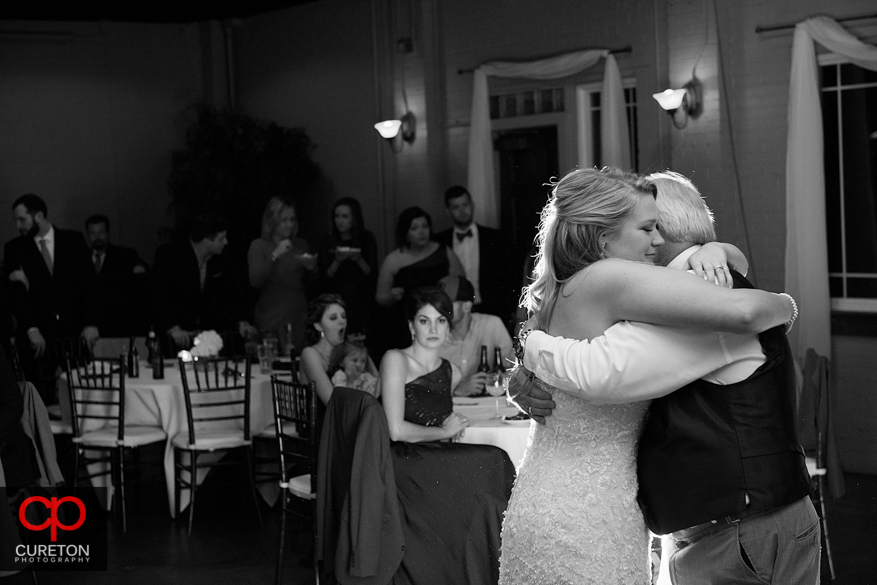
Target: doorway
{"type": "Point", "coordinates": [528, 159]}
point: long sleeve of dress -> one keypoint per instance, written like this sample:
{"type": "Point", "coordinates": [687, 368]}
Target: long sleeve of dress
{"type": "Point", "coordinates": [259, 263]}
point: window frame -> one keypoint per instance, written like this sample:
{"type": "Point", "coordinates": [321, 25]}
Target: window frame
{"type": "Point", "coordinates": [846, 304]}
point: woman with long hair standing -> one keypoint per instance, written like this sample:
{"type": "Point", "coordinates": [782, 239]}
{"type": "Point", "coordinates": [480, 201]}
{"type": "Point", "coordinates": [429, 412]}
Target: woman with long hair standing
{"type": "Point", "coordinates": [349, 263]}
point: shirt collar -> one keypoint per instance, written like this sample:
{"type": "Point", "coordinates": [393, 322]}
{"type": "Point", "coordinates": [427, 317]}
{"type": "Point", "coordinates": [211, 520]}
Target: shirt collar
{"type": "Point", "coordinates": [49, 237]}
{"type": "Point", "coordinates": [472, 226]}
{"type": "Point", "coordinates": [679, 261]}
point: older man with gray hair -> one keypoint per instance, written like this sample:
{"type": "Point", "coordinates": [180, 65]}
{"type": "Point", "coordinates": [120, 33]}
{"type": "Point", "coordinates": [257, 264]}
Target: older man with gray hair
{"type": "Point", "coordinates": [721, 474]}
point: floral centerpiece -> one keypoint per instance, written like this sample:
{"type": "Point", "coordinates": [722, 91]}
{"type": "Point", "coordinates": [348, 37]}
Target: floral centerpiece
{"type": "Point", "coordinates": [207, 344]}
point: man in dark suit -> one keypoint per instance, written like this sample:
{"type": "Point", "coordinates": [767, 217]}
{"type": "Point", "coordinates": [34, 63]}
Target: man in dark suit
{"type": "Point", "coordinates": [52, 286]}
{"type": "Point", "coordinates": [121, 282]}
{"type": "Point", "coordinates": [484, 256]}
{"type": "Point", "coordinates": [195, 288]}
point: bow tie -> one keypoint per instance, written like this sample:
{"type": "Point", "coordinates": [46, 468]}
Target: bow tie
{"type": "Point", "coordinates": [463, 235]}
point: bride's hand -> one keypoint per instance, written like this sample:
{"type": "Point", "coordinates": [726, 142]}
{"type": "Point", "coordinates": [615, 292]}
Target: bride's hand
{"type": "Point", "coordinates": [711, 263]}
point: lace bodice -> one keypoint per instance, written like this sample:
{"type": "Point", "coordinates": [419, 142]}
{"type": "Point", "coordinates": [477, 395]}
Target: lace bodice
{"type": "Point", "coordinates": [573, 517]}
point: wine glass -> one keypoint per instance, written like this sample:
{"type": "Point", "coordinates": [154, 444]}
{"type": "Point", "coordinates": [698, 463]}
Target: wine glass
{"type": "Point", "coordinates": [495, 387]}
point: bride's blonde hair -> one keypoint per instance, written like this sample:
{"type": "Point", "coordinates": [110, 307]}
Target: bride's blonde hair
{"type": "Point", "coordinates": [584, 204]}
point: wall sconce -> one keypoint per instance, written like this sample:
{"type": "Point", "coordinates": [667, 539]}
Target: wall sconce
{"type": "Point", "coordinates": [686, 99]}
{"type": "Point", "coordinates": [406, 127]}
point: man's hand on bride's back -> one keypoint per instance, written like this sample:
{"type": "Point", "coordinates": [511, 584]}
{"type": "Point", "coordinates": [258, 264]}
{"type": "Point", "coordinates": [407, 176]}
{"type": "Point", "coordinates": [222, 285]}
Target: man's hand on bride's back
{"type": "Point", "coordinates": [527, 396]}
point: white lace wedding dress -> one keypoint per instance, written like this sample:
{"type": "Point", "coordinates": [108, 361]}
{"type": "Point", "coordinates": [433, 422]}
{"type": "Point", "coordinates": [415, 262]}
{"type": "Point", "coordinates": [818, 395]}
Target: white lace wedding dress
{"type": "Point", "coordinates": [573, 518]}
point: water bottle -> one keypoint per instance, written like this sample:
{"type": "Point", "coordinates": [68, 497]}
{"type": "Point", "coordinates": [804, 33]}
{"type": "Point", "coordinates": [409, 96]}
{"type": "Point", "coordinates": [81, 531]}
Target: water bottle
{"type": "Point", "coordinates": [155, 357]}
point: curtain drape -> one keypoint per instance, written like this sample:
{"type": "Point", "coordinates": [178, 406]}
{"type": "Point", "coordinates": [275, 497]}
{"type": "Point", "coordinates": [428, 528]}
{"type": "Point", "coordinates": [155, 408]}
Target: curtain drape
{"type": "Point", "coordinates": [806, 260]}
{"type": "Point", "coordinates": [481, 181]}
{"type": "Point", "coordinates": [614, 136]}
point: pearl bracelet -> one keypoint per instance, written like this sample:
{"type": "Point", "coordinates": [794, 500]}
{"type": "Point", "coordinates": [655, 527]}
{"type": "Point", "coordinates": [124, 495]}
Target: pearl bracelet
{"type": "Point", "coordinates": [791, 321]}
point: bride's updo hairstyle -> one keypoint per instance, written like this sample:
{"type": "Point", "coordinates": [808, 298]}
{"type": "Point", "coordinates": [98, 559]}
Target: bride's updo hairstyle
{"type": "Point", "coordinates": [584, 204]}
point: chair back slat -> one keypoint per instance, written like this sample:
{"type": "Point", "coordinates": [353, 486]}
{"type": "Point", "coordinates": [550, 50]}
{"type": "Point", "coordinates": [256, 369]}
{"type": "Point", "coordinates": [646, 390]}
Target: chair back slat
{"type": "Point", "coordinates": [222, 384]}
{"type": "Point", "coordinates": [295, 412]}
{"type": "Point", "coordinates": [97, 392]}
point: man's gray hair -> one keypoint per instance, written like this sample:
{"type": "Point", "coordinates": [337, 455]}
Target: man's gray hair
{"type": "Point", "coordinates": [683, 216]}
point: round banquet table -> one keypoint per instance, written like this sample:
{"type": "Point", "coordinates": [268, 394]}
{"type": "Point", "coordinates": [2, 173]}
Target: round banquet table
{"type": "Point", "coordinates": [511, 436]}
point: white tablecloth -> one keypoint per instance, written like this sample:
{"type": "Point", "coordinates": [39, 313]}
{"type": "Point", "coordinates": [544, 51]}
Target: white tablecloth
{"type": "Point", "coordinates": [510, 436]}
{"type": "Point", "coordinates": [161, 403]}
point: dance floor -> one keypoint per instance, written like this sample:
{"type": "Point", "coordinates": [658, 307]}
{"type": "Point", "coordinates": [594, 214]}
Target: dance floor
{"type": "Point", "coordinates": [229, 547]}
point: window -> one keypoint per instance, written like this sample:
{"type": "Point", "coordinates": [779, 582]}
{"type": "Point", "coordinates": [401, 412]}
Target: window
{"type": "Point", "coordinates": [588, 106]}
{"type": "Point", "coordinates": [849, 117]}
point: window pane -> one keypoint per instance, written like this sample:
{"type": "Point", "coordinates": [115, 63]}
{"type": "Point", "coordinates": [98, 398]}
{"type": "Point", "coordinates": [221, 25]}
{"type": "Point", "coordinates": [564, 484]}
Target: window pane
{"type": "Point", "coordinates": [853, 75]}
{"type": "Point", "coordinates": [494, 107]}
{"type": "Point", "coordinates": [863, 288]}
{"type": "Point", "coordinates": [595, 99]}
{"type": "Point", "coordinates": [528, 103]}
{"type": "Point", "coordinates": [829, 76]}
{"type": "Point", "coordinates": [859, 108]}
{"type": "Point", "coordinates": [511, 106]}
{"type": "Point", "coordinates": [547, 100]}
{"type": "Point", "coordinates": [836, 287]}
{"type": "Point", "coordinates": [832, 181]}
{"type": "Point", "coordinates": [558, 100]}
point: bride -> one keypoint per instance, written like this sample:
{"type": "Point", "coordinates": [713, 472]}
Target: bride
{"type": "Point", "coordinates": [573, 516]}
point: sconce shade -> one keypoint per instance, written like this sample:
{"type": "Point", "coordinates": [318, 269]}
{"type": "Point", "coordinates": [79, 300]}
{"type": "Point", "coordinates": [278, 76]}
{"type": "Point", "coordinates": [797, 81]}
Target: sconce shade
{"type": "Point", "coordinates": [670, 99]}
{"type": "Point", "coordinates": [388, 128]}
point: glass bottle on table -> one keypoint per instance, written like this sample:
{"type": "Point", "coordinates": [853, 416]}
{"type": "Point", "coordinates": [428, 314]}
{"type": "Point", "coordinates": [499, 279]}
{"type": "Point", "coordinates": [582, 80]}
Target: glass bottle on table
{"type": "Point", "coordinates": [484, 366]}
{"type": "Point", "coordinates": [132, 366]}
{"type": "Point", "coordinates": [495, 381]}
{"type": "Point", "coordinates": [156, 359]}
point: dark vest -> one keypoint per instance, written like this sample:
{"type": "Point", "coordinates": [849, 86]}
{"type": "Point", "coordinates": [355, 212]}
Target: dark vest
{"type": "Point", "coordinates": [706, 446]}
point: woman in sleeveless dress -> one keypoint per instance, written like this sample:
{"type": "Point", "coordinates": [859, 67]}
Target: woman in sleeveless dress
{"type": "Point", "coordinates": [416, 261]}
{"type": "Point", "coordinates": [573, 517]}
{"type": "Point", "coordinates": [452, 495]}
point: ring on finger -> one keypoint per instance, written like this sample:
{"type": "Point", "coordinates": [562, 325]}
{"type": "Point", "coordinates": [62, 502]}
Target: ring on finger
{"type": "Point", "coordinates": [719, 267]}
{"type": "Point", "coordinates": [530, 410]}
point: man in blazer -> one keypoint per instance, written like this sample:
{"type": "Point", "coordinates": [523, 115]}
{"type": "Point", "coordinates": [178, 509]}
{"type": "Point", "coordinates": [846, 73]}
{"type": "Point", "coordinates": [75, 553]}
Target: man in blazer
{"type": "Point", "coordinates": [194, 288]}
{"type": "Point", "coordinates": [52, 283]}
{"type": "Point", "coordinates": [121, 282]}
{"type": "Point", "coordinates": [484, 256]}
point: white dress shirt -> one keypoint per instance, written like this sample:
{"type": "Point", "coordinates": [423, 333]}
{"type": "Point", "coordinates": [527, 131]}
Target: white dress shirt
{"type": "Point", "coordinates": [638, 361]}
{"type": "Point", "coordinates": [469, 254]}
{"type": "Point", "coordinates": [486, 330]}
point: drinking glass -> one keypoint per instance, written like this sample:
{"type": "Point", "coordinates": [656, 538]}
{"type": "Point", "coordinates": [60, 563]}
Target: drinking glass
{"type": "Point", "coordinates": [266, 357]}
{"type": "Point", "coordinates": [495, 387]}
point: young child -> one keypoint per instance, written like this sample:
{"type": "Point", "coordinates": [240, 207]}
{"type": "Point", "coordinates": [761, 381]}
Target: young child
{"type": "Point", "coordinates": [347, 367]}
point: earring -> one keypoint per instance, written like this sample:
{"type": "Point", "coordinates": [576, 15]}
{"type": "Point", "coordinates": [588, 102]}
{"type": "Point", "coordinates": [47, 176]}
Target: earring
{"type": "Point", "coordinates": [603, 250]}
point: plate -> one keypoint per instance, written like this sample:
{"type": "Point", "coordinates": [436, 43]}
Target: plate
{"type": "Point", "coordinates": [516, 420]}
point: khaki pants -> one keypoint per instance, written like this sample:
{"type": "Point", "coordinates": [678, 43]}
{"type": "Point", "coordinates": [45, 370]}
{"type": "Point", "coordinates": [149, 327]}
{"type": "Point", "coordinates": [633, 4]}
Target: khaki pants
{"type": "Point", "coordinates": [781, 547]}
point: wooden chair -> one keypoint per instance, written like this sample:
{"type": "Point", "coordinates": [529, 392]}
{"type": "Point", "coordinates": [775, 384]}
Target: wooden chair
{"type": "Point", "coordinates": [97, 393]}
{"type": "Point", "coordinates": [217, 394]}
{"type": "Point", "coordinates": [265, 441]}
{"type": "Point", "coordinates": [817, 437]}
{"type": "Point", "coordinates": [295, 422]}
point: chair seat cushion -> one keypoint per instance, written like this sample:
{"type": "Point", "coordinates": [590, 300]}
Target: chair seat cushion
{"type": "Point", "coordinates": [210, 440]}
{"type": "Point", "coordinates": [270, 432]}
{"type": "Point", "coordinates": [300, 486]}
{"type": "Point", "coordinates": [814, 469]}
{"type": "Point", "coordinates": [60, 428]}
{"type": "Point", "coordinates": [108, 437]}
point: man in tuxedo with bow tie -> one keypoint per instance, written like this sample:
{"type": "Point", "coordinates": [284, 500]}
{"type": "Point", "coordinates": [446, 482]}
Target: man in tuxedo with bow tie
{"type": "Point", "coordinates": [484, 257]}
{"type": "Point", "coordinates": [49, 270]}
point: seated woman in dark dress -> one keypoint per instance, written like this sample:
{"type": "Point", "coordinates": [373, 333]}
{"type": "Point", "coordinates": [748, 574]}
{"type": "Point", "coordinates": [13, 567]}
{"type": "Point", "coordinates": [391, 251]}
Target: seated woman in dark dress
{"type": "Point", "coordinates": [416, 261]}
{"type": "Point", "coordinates": [452, 496]}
